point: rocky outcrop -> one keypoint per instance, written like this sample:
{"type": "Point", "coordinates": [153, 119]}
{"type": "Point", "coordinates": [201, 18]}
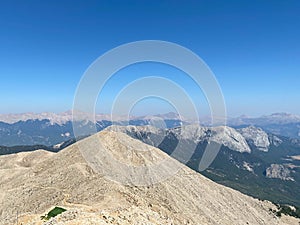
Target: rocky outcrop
{"type": "Point", "coordinates": [257, 137]}
{"type": "Point", "coordinates": [279, 171]}
{"type": "Point", "coordinates": [223, 135]}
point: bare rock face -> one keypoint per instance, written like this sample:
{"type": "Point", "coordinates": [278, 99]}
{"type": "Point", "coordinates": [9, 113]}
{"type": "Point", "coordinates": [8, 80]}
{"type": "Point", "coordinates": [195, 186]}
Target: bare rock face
{"type": "Point", "coordinates": [257, 137]}
{"type": "Point", "coordinates": [223, 135]}
{"type": "Point", "coordinates": [231, 138]}
{"type": "Point", "coordinates": [278, 171]}
{"type": "Point", "coordinates": [276, 141]}
{"type": "Point", "coordinates": [66, 180]}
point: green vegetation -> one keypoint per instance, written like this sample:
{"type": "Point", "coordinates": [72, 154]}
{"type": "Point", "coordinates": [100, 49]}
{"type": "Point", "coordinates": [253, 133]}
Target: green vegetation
{"type": "Point", "coordinates": [227, 169]}
{"type": "Point", "coordinates": [287, 210]}
{"type": "Point", "coordinates": [54, 212]}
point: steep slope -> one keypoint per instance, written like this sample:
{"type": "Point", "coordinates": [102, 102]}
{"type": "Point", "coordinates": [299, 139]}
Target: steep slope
{"type": "Point", "coordinates": [67, 180]}
{"type": "Point", "coordinates": [244, 161]}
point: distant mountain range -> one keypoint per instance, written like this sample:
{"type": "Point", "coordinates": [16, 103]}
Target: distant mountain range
{"type": "Point", "coordinates": [278, 123]}
{"type": "Point", "coordinates": [275, 118]}
{"type": "Point", "coordinates": [51, 129]}
{"type": "Point", "coordinates": [64, 117]}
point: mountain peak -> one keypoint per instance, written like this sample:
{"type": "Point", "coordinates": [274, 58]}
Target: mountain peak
{"type": "Point", "coordinates": [67, 180]}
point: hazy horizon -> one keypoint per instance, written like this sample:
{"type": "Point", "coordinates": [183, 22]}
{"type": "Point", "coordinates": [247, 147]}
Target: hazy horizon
{"type": "Point", "coordinates": [152, 114]}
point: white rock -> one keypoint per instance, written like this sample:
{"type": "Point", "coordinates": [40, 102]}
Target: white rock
{"type": "Point", "coordinates": [279, 172]}
{"type": "Point", "coordinates": [257, 137]}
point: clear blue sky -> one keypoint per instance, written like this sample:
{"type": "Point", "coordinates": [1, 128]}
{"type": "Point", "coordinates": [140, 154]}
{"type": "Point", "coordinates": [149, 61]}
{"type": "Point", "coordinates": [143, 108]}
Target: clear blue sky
{"type": "Point", "coordinates": [253, 48]}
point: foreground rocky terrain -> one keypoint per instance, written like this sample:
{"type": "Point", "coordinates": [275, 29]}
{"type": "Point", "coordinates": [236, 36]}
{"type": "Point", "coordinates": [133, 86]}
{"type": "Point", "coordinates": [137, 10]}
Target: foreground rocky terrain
{"type": "Point", "coordinates": [32, 183]}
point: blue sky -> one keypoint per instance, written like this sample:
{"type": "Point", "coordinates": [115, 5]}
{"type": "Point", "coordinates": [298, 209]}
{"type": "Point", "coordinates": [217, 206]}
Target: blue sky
{"type": "Point", "coordinates": [251, 46]}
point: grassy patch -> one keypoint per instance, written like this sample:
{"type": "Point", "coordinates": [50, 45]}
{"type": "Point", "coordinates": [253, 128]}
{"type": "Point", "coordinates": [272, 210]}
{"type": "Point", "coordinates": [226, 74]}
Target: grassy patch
{"type": "Point", "coordinates": [54, 212]}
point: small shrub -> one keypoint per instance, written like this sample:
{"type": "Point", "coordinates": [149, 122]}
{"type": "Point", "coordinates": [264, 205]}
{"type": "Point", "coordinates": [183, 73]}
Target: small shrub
{"type": "Point", "coordinates": [287, 210]}
{"type": "Point", "coordinates": [54, 212]}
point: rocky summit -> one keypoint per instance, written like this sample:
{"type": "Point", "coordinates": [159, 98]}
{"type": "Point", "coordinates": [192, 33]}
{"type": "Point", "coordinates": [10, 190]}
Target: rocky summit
{"type": "Point", "coordinates": [33, 183]}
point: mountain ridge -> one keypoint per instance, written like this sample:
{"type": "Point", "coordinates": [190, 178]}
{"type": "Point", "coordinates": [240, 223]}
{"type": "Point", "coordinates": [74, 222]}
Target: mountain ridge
{"type": "Point", "coordinates": [268, 169]}
{"type": "Point", "coordinates": [65, 179]}
{"type": "Point", "coordinates": [61, 118]}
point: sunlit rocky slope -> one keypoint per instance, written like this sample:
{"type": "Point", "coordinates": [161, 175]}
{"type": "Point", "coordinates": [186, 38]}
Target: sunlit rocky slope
{"type": "Point", "coordinates": [34, 182]}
